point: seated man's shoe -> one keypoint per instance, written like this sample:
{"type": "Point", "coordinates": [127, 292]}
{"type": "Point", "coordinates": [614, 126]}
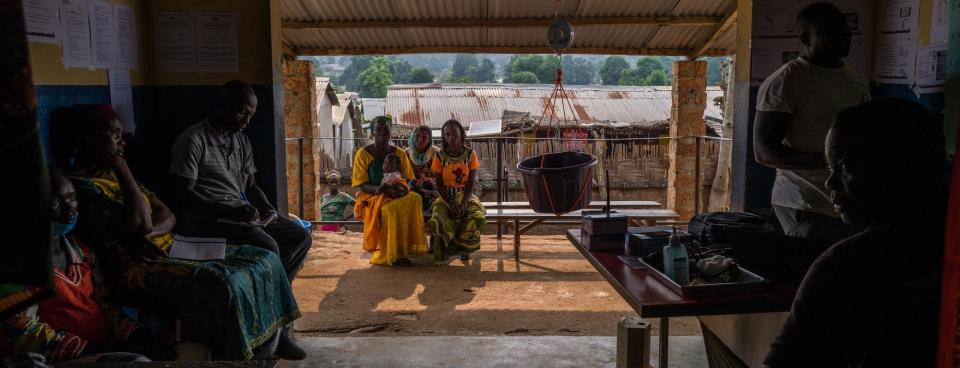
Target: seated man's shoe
{"type": "Point", "coordinates": [287, 347]}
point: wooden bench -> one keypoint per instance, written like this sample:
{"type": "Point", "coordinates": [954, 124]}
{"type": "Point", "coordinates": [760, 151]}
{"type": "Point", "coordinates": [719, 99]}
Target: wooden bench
{"type": "Point", "coordinates": [648, 217]}
{"type": "Point", "coordinates": [592, 205]}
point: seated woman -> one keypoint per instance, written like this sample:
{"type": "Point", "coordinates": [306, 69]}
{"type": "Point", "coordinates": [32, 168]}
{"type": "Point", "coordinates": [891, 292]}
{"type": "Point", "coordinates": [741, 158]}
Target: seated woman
{"type": "Point", "coordinates": [458, 217]}
{"type": "Point", "coordinates": [393, 220]}
{"type": "Point", "coordinates": [233, 306]}
{"type": "Point", "coordinates": [333, 204]}
{"type": "Point", "coordinates": [76, 325]}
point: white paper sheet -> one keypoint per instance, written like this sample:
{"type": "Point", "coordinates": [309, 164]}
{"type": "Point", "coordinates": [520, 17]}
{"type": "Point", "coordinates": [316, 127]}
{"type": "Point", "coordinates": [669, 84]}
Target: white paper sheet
{"type": "Point", "coordinates": [121, 97]}
{"type": "Point", "coordinates": [176, 42]}
{"type": "Point", "coordinates": [217, 48]}
{"type": "Point", "coordinates": [899, 16]}
{"type": "Point", "coordinates": [896, 59]}
{"type": "Point", "coordinates": [103, 34]}
{"type": "Point", "coordinates": [940, 23]}
{"type": "Point", "coordinates": [198, 249]}
{"type": "Point", "coordinates": [76, 33]}
{"type": "Point", "coordinates": [776, 41]}
{"type": "Point", "coordinates": [932, 68]}
{"type": "Point", "coordinates": [42, 20]}
{"type": "Point", "coordinates": [770, 55]}
{"type": "Point", "coordinates": [777, 19]}
{"type": "Point", "coordinates": [127, 52]}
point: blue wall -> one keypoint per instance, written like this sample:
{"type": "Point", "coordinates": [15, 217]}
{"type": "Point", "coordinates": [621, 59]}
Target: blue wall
{"type": "Point", "coordinates": [161, 114]}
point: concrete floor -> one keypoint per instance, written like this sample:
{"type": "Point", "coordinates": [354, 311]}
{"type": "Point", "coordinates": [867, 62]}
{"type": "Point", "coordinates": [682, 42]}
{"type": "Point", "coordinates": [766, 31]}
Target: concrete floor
{"type": "Point", "coordinates": [484, 351]}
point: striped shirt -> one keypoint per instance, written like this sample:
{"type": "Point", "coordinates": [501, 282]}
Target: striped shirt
{"type": "Point", "coordinates": [220, 165]}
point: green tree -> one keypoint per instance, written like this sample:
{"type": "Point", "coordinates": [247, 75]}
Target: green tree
{"type": "Point", "coordinates": [524, 77]}
{"type": "Point", "coordinates": [631, 77]}
{"type": "Point", "coordinates": [421, 75]}
{"type": "Point", "coordinates": [376, 78]}
{"type": "Point", "coordinates": [486, 72]}
{"type": "Point", "coordinates": [578, 71]}
{"type": "Point", "coordinates": [462, 63]}
{"type": "Point", "coordinates": [544, 67]}
{"type": "Point", "coordinates": [612, 68]}
{"type": "Point", "coordinates": [656, 78]}
{"type": "Point", "coordinates": [349, 79]}
{"type": "Point", "coordinates": [463, 79]}
{"type": "Point", "coordinates": [401, 70]}
{"type": "Point", "coordinates": [714, 70]}
{"type": "Point", "coordinates": [647, 65]}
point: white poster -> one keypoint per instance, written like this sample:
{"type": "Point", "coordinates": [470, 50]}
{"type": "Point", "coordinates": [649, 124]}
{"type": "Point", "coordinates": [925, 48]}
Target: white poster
{"type": "Point", "coordinates": [932, 68]}
{"type": "Point", "coordinates": [76, 33]}
{"type": "Point", "coordinates": [176, 42]}
{"type": "Point", "coordinates": [42, 20]}
{"type": "Point", "coordinates": [770, 55]}
{"type": "Point", "coordinates": [940, 23]}
{"type": "Point", "coordinates": [217, 48]}
{"type": "Point", "coordinates": [127, 54]}
{"type": "Point", "coordinates": [121, 97]}
{"type": "Point", "coordinates": [103, 34]}
{"type": "Point", "coordinates": [896, 59]}
{"type": "Point", "coordinates": [899, 16]}
{"type": "Point", "coordinates": [776, 40]}
{"type": "Point", "coordinates": [777, 19]}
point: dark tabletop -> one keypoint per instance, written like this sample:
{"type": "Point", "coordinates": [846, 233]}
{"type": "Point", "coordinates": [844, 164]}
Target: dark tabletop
{"type": "Point", "coordinates": [652, 299]}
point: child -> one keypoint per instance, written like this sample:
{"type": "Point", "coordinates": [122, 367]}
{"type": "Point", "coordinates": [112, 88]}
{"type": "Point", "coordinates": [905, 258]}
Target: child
{"type": "Point", "coordinates": [393, 183]}
{"type": "Point", "coordinates": [391, 170]}
{"type": "Point", "coordinates": [425, 186]}
{"type": "Point", "coordinates": [333, 204]}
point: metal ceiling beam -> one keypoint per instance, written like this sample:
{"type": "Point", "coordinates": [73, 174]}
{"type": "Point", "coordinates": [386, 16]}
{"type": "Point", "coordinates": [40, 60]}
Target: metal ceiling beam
{"type": "Point", "coordinates": [729, 21]}
{"type": "Point", "coordinates": [306, 51]}
{"type": "Point", "coordinates": [502, 23]}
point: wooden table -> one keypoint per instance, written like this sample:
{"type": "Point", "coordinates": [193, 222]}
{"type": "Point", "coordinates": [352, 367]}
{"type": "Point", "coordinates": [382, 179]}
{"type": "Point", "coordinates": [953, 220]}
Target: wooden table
{"type": "Point", "coordinates": [651, 299]}
{"type": "Point", "coordinates": [646, 217]}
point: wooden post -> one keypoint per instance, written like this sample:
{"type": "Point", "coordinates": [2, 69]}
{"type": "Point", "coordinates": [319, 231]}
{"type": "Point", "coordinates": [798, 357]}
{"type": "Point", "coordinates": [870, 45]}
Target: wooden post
{"type": "Point", "coordinates": [633, 343]}
{"type": "Point", "coordinates": [720, 190]}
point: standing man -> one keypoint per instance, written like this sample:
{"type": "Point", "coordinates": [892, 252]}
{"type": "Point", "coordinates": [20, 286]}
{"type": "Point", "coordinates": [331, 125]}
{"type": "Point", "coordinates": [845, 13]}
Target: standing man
{"type": "Point", "coordinates": [795, 107]}
{"type": "Point", "coordinates": [213, 162]}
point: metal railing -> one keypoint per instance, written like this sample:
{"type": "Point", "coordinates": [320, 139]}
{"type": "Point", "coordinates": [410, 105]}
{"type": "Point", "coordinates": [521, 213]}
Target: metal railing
{"type": "Point", "coordinates": [629, 157]}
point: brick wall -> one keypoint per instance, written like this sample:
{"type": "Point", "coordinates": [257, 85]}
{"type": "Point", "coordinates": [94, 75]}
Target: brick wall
{"type": "Point", "coordinates": [300, 120]}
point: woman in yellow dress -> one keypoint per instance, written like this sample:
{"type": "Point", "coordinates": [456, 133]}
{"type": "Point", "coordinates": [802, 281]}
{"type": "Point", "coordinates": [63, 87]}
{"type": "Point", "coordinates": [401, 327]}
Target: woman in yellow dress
{"type": "Point", "coordinates": [392, 214]}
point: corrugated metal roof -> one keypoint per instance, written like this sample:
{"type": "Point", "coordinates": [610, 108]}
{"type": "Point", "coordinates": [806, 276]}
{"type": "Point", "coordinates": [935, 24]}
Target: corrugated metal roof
{"type": "Point", "coordinates": [324, 86]}
{"type": "Point", "coordinates": [373, 107]}
{"type": "Point", "coordinates": [344, 106]}
{"type": "Point", "coordinates": [592, 38]}
{"type": "Point", "coordinates": [433, 104]}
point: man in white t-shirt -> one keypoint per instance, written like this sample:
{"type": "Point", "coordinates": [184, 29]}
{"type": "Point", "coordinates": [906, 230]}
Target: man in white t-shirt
{"type": "Point", "coordinates": [795, 108]}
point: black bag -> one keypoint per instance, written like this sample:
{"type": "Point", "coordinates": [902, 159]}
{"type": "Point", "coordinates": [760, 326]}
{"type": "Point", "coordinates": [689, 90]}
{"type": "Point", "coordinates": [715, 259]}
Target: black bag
{"type": "Point", "coordinates": [723, 227]}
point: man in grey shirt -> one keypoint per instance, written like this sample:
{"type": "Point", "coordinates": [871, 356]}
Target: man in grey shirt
{"type": "Point", "coordinates": [213, 162]}
{"type": "Point", "coordinates": [795, 107]}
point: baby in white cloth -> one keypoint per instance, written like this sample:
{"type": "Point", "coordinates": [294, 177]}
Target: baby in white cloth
{"type": "Point", "coordinates": [391, 169]}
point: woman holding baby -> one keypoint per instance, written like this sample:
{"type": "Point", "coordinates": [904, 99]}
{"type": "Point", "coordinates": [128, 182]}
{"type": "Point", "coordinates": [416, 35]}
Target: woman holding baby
{"type": "Point", "coordinates": [392, 214]}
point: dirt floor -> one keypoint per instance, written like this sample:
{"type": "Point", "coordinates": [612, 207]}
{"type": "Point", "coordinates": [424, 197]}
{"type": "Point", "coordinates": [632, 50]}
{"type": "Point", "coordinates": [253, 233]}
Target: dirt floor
{"type": "Point", "coordinates": [551, 291]}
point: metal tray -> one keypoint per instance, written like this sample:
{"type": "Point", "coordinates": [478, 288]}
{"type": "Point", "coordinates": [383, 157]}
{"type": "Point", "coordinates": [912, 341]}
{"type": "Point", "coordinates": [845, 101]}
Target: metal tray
{"type": "Point", "coordinates": [749, 283]}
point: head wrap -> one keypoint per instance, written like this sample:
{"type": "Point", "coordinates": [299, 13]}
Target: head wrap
{"type": "Point", "coordinates": [331, 174]}
{"type": "Point", "coordinates": [418, 158]}
{"type": "Point", "coordinates": [90, 113]}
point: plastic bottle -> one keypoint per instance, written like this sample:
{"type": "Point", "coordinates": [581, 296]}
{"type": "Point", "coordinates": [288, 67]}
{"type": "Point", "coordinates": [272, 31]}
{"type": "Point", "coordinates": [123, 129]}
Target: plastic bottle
{"type": "Point", "coordinates": [676, 264]}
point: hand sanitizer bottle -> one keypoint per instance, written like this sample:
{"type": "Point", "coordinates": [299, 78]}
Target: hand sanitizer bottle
{"type": "Point", "coordinates": [675, 262]}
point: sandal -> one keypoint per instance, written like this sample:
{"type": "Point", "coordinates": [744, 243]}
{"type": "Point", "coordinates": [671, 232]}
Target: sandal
{"type": "Point", "coordinates": [465, 257]}
{"type": "Point", "coordinates": [403, 262]}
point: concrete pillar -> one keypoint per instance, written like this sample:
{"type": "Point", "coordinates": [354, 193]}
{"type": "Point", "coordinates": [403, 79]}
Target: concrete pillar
{"type": "Point", "coordinates": [300, 120]}
{"type": "Point", "coordinates": [686, 121]}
